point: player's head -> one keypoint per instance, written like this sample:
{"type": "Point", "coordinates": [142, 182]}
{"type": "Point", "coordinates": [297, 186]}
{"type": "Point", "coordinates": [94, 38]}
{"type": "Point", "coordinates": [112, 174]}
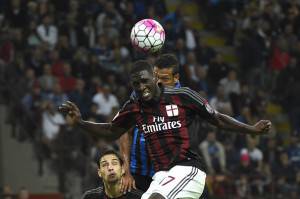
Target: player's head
{"type": "Point", "coordinates": [143, 80]}
{"type": "Point", "coordinates": [166, 68]}
{"type": "Point", "coordinates": [110, 167]}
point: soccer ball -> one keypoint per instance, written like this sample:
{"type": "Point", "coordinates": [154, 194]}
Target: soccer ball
{"type": "Point", "coordinates": [147, 35]}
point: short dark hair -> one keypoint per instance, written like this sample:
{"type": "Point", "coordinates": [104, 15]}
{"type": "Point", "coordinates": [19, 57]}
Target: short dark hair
{"type": "Point", "coordinates": [141, 65]}
{"type": "Point", "coordinates": [110, 152]}
{"type": "Point", "coordinates": [167, 60]}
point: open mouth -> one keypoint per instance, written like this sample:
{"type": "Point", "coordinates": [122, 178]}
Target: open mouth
{"type": "Point", "coordinates": [112, 175]}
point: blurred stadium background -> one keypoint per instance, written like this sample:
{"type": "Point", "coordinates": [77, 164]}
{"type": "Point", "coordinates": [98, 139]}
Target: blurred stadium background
{"type": "Point", "coordinates": [243, 55]}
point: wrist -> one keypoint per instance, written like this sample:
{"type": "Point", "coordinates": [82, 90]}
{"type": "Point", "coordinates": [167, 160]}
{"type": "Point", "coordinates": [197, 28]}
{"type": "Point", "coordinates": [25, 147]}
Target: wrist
{"type": "Point", "coordinates": [253, 130]}
{"type": "Point", "coordinates": [247, 129]}
{"type": "Point", "coordinates": [127, 172]}
{"type": "Point", "coordinates": [127, 168]}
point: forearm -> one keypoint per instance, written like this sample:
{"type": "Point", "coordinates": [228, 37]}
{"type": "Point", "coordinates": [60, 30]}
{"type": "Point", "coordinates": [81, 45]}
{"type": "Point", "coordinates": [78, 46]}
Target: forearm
{"type": "Point", "coordinates": [125, 142]}
{"type": "Point", "coordinates": [229, 123]}
{"type": "Point", "coordinates": [101, 130]}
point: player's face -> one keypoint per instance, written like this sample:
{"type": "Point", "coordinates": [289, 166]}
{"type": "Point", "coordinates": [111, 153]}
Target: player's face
{"type": "Point", "coordinates": [166, 77]}
{"type": "Point", "coordinates": [144, 84]}
{"type": "Point", "coordinates": [110, 169]}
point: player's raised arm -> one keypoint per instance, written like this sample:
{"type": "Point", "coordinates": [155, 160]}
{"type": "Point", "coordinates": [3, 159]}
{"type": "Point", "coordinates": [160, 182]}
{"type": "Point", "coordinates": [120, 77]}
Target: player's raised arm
{"type": "Point", "coordinates": [108, 131]}
{"type": "Point", "coordinates": [226, 122]}
{"type": "Point", "coordinates": [199, 104]}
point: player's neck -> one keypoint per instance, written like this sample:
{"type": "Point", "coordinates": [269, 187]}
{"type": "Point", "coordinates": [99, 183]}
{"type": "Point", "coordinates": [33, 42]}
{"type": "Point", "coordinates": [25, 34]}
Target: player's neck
{"type": "Point", "coordinates": [113, 190]}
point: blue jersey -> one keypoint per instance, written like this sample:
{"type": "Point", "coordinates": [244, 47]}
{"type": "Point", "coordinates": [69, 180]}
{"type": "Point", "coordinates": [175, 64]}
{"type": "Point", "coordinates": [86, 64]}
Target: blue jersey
{"type": "Point", "coordinates": [140, 162]}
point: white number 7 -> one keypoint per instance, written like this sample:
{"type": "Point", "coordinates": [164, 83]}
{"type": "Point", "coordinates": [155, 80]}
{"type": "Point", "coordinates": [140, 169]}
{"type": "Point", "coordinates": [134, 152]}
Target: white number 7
{"type": "Point", "coordinates": [169, 179]}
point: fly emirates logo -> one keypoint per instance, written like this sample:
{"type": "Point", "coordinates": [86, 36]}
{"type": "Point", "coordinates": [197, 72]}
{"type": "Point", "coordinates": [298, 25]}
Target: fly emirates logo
{"type": "Point", "coordinates": [159, 124]}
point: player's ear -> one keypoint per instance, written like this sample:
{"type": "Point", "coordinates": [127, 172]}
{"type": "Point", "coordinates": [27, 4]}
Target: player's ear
{"type": "Point", "coordinates": [176, 77]}
{"type": "Point", "coordinates": [99, 173]}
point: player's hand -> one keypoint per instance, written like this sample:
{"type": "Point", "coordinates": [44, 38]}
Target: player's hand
{"type": "Point", "coordinates": [263, 126]}
{"type": "Point", "coordinates": [71, 110]}
{"type": "Point", "coordinates": [127, 182]}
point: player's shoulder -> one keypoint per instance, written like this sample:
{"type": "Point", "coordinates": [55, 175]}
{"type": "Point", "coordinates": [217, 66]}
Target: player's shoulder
{"type": "Point", "coordinates": [93, 193]}
{"type": "Point", "coordinates": [135, 194]}
{"type": "Point", "coordinates": [179, 90]}
{"type": "Point", "coordinates": [185, 92]}
{"type": "Point", "coordinates": [130, 103]}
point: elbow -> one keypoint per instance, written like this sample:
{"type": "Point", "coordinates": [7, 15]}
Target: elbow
{"type": "Point", "coordinates": [219, 121]}
{"type": "Point", "coordinates": [222, 122]}
{"type": "Point", "coordinates": [220, 125]}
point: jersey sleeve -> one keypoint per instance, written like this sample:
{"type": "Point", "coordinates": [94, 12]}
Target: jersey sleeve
{"type": "Point", "coordinates": [198, 104]}
{"type": "Point", "coordinates": [126, 117]}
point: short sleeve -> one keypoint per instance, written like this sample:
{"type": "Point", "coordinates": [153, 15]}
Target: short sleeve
{"type": "Point", "coordinates": [126, 117]}
{"type": "Point", "coordinates": [198, 104]}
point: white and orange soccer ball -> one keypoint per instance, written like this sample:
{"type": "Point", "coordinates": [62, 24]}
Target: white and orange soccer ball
{"type": "Point", "coordinates": [148, 35]}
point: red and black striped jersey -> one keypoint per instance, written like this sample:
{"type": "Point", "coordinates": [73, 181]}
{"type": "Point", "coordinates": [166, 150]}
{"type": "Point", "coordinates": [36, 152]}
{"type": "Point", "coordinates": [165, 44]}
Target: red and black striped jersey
{"type": "Point", "coordinates": [166, 124]}
{"type": "Point", "coordinates": [99, 193]}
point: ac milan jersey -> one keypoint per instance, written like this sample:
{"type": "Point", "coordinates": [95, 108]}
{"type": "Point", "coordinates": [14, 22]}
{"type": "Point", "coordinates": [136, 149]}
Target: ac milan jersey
{"type": "Point", "coordinates": [165, 123]}
{"type": "Point", "coordinates": [99, 193]}
{"type": "Point", "coordinates": [140, 163]}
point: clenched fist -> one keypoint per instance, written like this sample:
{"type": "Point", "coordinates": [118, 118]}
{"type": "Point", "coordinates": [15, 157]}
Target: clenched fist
{"type": "Point", "coordinates": [71, 110]}
{"type": "Point", "coordinates": [263, 126]}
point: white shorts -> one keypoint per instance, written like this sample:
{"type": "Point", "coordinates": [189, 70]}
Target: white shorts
{"type": "Point", "coordinates": [178, 182]}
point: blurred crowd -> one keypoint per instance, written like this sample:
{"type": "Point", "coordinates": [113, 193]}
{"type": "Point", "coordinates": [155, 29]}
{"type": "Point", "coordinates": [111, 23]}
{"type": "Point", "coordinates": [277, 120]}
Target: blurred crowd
{"type": "Point", "coordinates": [8, 193]}
{"type": "Point", "coordinates": [79, 50]}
